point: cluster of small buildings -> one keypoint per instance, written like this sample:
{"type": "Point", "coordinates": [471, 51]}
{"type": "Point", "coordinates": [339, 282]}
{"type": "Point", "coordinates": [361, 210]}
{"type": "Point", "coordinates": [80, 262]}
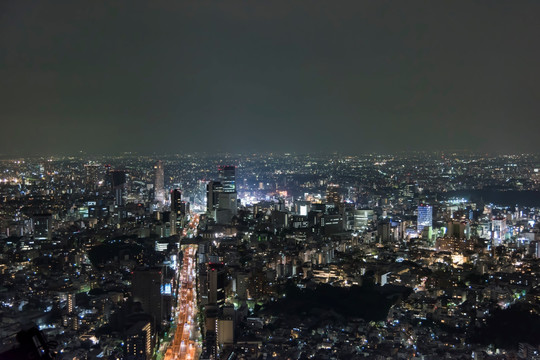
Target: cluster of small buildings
{"type": "Point", "coordinates": [91, 252]}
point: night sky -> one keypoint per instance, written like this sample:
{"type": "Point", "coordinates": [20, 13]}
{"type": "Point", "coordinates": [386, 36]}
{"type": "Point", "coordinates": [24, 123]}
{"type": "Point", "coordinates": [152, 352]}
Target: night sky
{"type": "Point", "coordinates": [349, 76]}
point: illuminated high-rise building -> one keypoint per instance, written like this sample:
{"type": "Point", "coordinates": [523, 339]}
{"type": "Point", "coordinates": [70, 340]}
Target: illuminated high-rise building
{"type": "Point", "coordinates": [384, 231]}
{"type": "Point", "coordinates": [227, 207]}
{"type": "Point", "coordinates": [216, 284]}
{"type": "Point", "coordinates": [458, 229]}
{"type": "Point", "coordinates": [71, 303]}
{"type": "Point", "coordinates": [176, 202]}
{"type": "Point", "coordinates": [139, 343]}
{"type": "Point", "coordinates": [498, 230]}
{"type": "Point", "coordinates": [94, 176]}
{"type": "Point", "coordinates": [118, 181]}
{"type": "Point", "coordinates": [42, 226]}
{"type": "Point", "coordinates": [227, 177]}
{"type": "Point", "coordinates": [425, 217]}
{"type": "Point", "coordinates": [534, 249]}
{"type": "Point", "coordinates": [184, 208]}
{"type": "Point", "coordinates": [176, 210]}
{"type": "Point", "coordinates": [221, 196]}
{"type": "Point", "coordinates": [213, 189]}
{"type": "Point", "coordinates": [159, 182]}
{"type": "Point", "coordinates": [332, 194]}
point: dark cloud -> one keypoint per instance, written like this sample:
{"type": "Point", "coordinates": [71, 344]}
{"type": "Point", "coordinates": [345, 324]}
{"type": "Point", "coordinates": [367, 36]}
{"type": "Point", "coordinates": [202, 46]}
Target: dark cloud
{"type": "Point", "coordinates": [353, 76]}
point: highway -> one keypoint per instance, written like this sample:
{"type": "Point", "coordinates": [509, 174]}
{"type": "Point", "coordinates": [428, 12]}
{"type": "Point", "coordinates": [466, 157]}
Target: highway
{"type": "Point", "coordinates": [185, 343]}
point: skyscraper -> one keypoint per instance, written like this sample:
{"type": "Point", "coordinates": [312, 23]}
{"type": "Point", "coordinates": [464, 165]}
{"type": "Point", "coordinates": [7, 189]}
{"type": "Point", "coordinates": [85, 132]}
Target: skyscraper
{"type": "Point", "coordinates": [221, 196]}
{"type": "Point", "coordinates": [139, 341]}
{"type": "Point", "coordinates": [118, 181]}
{"type": "Point", "coordinates": [213, 189]}
{"type": "Point", "coordinates": [227, 207]}
{"type": "Point", "coordinates": [176, 210]}
{"type": "Point", "coordinates": [94, 176]}
{"type": "Point", "coordinates": [425, 217]}
{"type": "Point", "coordinates": [227, 177]}
{"type": "Point", "coordinates": [216, 284]}
{"type": "Point", "coordinates": [332, 194]}
{"type": "Point", "coordinates": [146, 288]}
{"type": "Point", "coordinates": [176, 202]}
{"type": "Point", "coordinates": [42, 226]}
{"type": "Point", "coordinates": [384, 231]}
{"type": "Point", "coordinates": [159, 182]}
{"type": "Point", "coordinates": [498, 230]}
{"type": "Point", "coordinates": [71, 303]}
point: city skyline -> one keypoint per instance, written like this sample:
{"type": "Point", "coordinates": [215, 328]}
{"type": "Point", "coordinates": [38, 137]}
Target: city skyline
{"type": "Point", "coordinates": [204, 257]}
{"type": "Point", "coordinates": [352, 77]}
{"type": "Point", "coordinates": [248, 180]}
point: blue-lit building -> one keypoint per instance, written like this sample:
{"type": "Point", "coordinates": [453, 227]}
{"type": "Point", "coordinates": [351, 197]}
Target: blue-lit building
{"type": "Point", "coordinates": [425, 217]}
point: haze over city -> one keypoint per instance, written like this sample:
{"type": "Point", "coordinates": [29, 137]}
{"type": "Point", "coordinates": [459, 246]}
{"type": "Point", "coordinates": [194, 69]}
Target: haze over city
{"type": "Point", "coordinates": [348, 76]}
{"type": "Point", "coordinates": [256, 180]}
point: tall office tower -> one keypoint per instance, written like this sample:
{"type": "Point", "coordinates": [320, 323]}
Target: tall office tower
{"type": "Point", "coordinates": [176, 210]}
{"type": "Point", "coordinates": [227, 199]}
{"type": "Point", "coordinates": [347, 215]}
{"type": "Point", "coordinates": [146, 288]}
{"type": "Point", "coordinates": [227, 208]}
{"type": "Point", "coordinates": [200, 193]}
{"type": "Point", "coordinates": [241, 285]}
{"type": "Point", "coordinates": [458, 229]}
{"type": "Point", "coordinates": [139, 341]}
{"type": "Point", "coordinates": [176, 203]}
{"type": "Point", "coordinates": [362, 218]}
{"type": "Point", "coordinates": [213, 189]}
{"type": "Point", "coordinates": [184, 208]}
{"type": "Point", "coordinates": [425, 217]}
{"type": "Point", "coordinates": [42, 226]}
{"type": "Point", "coordinates": [383, 231]}
{"type": "Point", "coordinates": [534, 248]}
{"type": "Point", "coordinates": [216, 284]}
{"type": "Point", "coordinates": [118, 181]}
{"type": "Point", "coordinates": [498, 230]}
{"type": "Point", "coordinates": [108, 176]}
{"type": "Point", "coordinates": [71, 303]}
{"type": "Point", "coordinates": [228, 178]}
{"type": "Point", "coordinates": [332, 194]}
{"type": "Point", "coordinates": [159, 182]}
{"type": "Point", "coordinates": [93, 176]}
